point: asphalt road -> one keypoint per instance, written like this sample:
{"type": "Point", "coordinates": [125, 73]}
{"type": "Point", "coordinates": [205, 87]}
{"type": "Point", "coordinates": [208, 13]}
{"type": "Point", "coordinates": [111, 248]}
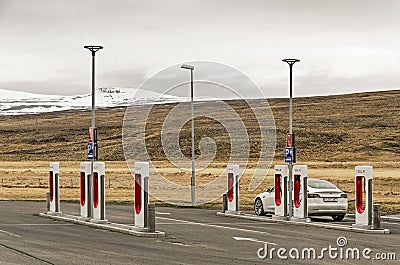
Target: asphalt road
{"type": "Point", "coordinates": [193, 236]}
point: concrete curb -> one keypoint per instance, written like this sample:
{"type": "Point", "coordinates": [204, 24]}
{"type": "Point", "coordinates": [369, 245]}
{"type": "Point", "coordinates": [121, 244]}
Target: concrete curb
{"type": "Point", "coordinates": [304, 223]}
{"type": "Point", "coordinates": [114, 227]}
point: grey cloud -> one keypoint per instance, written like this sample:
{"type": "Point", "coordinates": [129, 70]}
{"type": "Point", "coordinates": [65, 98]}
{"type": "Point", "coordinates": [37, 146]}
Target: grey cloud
{"type": "Point", "coordinates": [42, 41]}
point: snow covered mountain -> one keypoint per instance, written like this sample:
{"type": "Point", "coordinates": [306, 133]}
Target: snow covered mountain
{"type": "Point", "coordinates": [18, 103]}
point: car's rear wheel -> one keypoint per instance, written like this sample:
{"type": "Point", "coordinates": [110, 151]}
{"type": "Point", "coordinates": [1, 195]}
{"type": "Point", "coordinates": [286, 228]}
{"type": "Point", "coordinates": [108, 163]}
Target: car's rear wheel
{"type": "Point", "coordinates": [339, 217]}
{"type": "Point", "coordinates": [258, 207]}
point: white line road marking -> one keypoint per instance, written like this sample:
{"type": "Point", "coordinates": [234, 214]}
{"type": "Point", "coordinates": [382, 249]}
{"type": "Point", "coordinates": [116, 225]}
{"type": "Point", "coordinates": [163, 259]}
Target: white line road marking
{"type": "Point", "coordinates": [36, 224]}
{"type": "Point", "coordinates": [9, 233]}
{"type": "Point", "coordinates": [163, 213]}
{"type": "Point", "coordinates": [392, 223]}
{"type": "Point", "coordinates": [179, 244]}
{"type": "Point", "coordinates": [282, 233]}
{"type": "Point", "coordinates": [238, 238]}
{"type": "Point", "coordinates": [215, 226]}
{"type": "Point", "coordinates": [174, 223]}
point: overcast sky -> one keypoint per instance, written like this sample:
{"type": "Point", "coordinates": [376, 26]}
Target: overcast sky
{"type": "Point", "coordinates": [344, 46]}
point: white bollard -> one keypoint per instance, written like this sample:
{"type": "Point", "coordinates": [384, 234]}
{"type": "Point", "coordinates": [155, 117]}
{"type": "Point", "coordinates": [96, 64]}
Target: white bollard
{"type": "Point", "coordinates": [233, 188]}
{"type": "Point", "coordinates": [85, 173]}
{"type": "Point", "coordinates": [141, 193]}
{"type": "Point", "coordinates": [54, 188]}
{"type": "Point", "coordinates": [363, 193]}
{"type": "Point", "coordinates": [99, 205]}
{"type": "Point", "coordinates": [300, 194]}
{"type": "Point", "coordinates": [281, 190]}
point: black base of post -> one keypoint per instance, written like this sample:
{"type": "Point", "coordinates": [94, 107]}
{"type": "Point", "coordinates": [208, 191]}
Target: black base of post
{"type": "Point", "coordinates": [224, 203]}
{"type": "Point", "coordinates": [151, 217]}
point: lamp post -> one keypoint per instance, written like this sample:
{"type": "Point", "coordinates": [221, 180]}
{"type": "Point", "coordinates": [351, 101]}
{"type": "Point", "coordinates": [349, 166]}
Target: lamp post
{"type": "Point", "coordinates": [193, 179]}
{"type": "Point", "coordinates": [291, 62]}
{"type": "Point", "coordinates": [93, 49]}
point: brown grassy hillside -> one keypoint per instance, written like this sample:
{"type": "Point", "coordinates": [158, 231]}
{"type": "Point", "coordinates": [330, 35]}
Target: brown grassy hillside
{"type": "Point", "coordinates": [346, 128]}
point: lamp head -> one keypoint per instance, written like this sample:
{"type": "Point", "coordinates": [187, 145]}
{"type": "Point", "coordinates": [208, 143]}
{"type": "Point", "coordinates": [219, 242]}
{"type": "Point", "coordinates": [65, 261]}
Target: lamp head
{"type": "Point", "coordinates": [291, 61]}
{"type": "Point", "coordinates": [93, 48]}
{"type": "Point", "coordinates": [186, 66]}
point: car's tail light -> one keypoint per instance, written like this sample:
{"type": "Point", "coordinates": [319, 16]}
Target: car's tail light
{"type": "Point", "coordinates": [312, 195]}
{"type": "Point", "coordinates": [343, 195]}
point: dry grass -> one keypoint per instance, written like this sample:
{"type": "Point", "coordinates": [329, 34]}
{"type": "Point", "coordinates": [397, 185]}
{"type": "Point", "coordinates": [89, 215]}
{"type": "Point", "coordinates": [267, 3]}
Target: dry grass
{"type": "Point", "coordinates": [29, 181]}
{"type": "Point", "coordinates": [333, 134]}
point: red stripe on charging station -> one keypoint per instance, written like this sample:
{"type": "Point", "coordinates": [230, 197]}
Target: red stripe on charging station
{"type": "Point", "coordinates": [297, 191]}
{"type": "Point", "coordinates": [51, 186]}
{"type": "Point", "coordinates": [138, 193]}
{"type": "Point", "coordinates": [360, 183]}
{"type": "Point", "coordinates": [83, 190]}
{"type": "Point", "coordinates": [95, 189]}
{"type": "Point", "coordinates": [278, 189]}
{"type": "Point", "coordinates": [230, 187]}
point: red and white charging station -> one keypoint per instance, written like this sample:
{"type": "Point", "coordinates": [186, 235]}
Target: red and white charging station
{"type": "Point", "coordinates": [280, 180]}
{"type": "Point", "coordinates": [99, 205]}
{"type": "Point", "coordinates": [300, 175]}
{"type": "Point", "coordinates": [85, 172]}
{"type": "Point", "coordinates": [141, 193]}
{"type": "Point", "coordinates": [363, 192]}
{"type": "Point", "coordinates": [54, 188]}
{"type": "Point", "coordinates": [233, 188]}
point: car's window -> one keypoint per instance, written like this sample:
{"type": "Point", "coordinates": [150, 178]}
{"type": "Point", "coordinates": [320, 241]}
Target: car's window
{"type": "Point", "coordinates": [270, 189]}
{"type": "Point", "coordinates": [320, 184]}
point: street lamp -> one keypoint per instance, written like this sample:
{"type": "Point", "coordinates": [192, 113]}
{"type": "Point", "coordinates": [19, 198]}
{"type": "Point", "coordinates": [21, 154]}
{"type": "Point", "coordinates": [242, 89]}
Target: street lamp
{"type": "Point", "coordinates": [291, 62]}
{"type": "Point", "coordinates": [192, 180]}
{"type": "Point", "coordinates": [93, 49]}
{"type": "Point", "coordinates": [93, 133]}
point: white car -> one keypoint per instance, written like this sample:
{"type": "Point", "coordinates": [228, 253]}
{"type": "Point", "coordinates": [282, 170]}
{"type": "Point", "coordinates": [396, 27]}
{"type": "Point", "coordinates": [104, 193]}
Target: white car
{"type": "Point", "coordinates": [324, 199]}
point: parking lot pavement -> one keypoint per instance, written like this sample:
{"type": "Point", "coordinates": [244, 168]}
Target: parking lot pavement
{"type": "Point", "coordinates": [193, 236]}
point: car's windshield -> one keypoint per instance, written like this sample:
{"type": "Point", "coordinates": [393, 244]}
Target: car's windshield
{"type": "Point", "coordinates": [320, 184]}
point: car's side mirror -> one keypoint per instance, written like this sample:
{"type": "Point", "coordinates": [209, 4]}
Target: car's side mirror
{"type": "Point", "coordinates": [268, 190]}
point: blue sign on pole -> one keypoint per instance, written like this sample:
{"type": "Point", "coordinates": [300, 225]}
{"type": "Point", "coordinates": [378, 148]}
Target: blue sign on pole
{"type": "Point", "coordinates": [289, 154]}
{"type": "Point", "coordinates": [90, 150]}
